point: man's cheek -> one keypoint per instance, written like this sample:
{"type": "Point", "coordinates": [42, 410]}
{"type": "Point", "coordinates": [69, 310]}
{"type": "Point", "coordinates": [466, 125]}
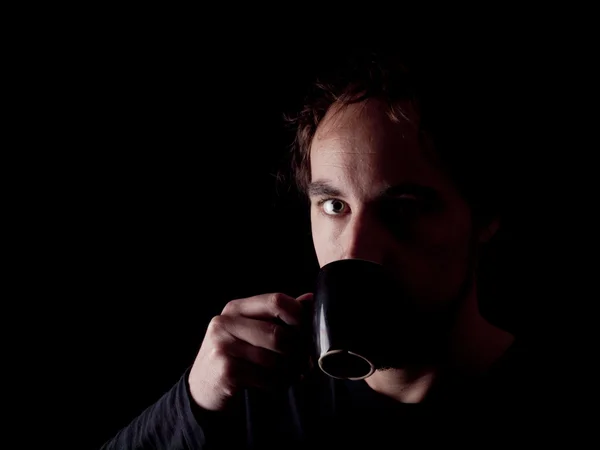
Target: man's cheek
{"type": "Point", "coordinates": [322, 247]}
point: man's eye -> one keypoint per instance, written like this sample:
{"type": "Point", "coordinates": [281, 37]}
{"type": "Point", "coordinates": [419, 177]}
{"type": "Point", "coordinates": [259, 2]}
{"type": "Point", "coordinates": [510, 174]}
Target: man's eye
{"type": "Point", "coordinates": [400, 209]}
{"type": "Point", "coordinates": [333, 206]}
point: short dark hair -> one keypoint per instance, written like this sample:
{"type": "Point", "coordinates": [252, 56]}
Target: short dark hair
{"type": "Point", "coordinates": [447, 97]}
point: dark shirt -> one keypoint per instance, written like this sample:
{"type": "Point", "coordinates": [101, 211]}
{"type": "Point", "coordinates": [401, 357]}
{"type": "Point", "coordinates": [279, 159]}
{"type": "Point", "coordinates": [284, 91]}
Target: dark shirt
{"type": "Point", "coordinates": [509, 405]}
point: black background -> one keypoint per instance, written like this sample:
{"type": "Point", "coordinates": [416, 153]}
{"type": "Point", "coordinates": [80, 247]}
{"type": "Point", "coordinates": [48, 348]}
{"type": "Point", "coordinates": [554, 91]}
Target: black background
{"type": "Point", "coordinates": [155, 198]}
{"type": "Point", "coordinates": [165, 205]}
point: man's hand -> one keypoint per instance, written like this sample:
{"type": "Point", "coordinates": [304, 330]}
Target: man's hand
{"type": "Point", "coordinates": [256, 342]}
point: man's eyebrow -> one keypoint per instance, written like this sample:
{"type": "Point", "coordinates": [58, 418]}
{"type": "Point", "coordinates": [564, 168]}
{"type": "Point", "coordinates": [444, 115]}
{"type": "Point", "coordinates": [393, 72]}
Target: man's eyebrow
{"type": "Point", "coordinates": [417, 190]}
{"type": "Point", "coordinates": [322, 188]}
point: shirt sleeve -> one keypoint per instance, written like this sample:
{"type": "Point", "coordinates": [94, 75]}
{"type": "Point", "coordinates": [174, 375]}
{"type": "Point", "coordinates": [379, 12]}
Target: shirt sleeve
{"type": "Point", "coordinates": [176, 422]}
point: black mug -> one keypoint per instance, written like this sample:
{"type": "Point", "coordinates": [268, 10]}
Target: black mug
{"type": "Point", "coordinates": [358, 317]}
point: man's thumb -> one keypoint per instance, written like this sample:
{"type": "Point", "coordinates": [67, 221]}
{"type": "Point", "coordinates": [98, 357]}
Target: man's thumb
{"type": "Point", "coordinates": [306, 298]}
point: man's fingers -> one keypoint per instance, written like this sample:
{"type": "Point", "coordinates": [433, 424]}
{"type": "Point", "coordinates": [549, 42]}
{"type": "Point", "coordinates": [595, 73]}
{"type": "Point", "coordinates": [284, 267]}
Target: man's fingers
{"type": "Point", "coordinates": [267, 335]}
{"type": "Point", "coordinates": [252, 375]}
{"type": "Point", "coordinates": [306, 298]}
{"type": "Point", "coordinates": [267, 307]}
{"type": "Point", "coordinates": [256, 355]}
{"type": "Point", "coordinates": [276, 363]}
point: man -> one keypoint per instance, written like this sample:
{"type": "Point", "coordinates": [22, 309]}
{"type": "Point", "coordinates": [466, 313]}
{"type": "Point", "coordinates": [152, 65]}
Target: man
{"type": "Point", "coordinates": [392, 160]}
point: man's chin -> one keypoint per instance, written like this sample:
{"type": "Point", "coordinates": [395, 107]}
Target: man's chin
{"type": "Point", "coordinates": [416, 350]}
{"type": "Point", "coordinates": [421, 338]}
{"type": "Point", "coordinates": [429, 358]}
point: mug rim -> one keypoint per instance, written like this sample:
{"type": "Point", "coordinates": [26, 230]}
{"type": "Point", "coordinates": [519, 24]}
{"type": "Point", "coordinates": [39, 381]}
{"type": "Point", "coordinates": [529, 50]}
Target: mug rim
{"type": "Point", "coordinates": [333, 352]}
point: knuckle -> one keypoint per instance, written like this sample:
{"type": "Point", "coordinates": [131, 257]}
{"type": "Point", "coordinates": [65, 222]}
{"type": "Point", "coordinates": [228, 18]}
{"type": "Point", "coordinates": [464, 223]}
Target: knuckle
{"type": "Point", "coordinates": [276, 301]}
{"type": "Point", "coordinates": [230, 307]}
{"type": "Point", "coordinates": [228, 389]}
{"type": "Point", "coordinates": [227, 371]}
{"type": "Point", "coordinates": [274, 331]}
{"type": "Point", "coordinates": [216, 327]}
{"type": "Point", "coordinates": [218, 353]}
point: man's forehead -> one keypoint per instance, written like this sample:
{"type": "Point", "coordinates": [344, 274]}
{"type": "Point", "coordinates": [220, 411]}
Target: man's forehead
{"type": "Point", "coordinates": [340, 117]}
{"type": "Point", "coordinates": [364, 129]}
{"type": "Point", "coordinates": [367, 147]}
{"type": "Point", "coordinates": [363, 147]}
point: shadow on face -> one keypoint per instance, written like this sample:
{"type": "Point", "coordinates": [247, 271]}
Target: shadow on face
{"type": "Point", "coordinates": [377, 194]}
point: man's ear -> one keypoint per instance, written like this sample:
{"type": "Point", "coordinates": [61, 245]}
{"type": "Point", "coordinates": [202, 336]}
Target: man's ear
{"type": "Point", "coordinates": [489, 230]}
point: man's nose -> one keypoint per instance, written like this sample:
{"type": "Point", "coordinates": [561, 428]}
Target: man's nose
{"type": "Point", "coordinates": [365, 238]}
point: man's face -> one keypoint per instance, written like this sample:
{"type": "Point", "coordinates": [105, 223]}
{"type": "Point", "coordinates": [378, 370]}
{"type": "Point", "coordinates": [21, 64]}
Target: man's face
{"type": "Point", "coordinates": [376, 194]}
